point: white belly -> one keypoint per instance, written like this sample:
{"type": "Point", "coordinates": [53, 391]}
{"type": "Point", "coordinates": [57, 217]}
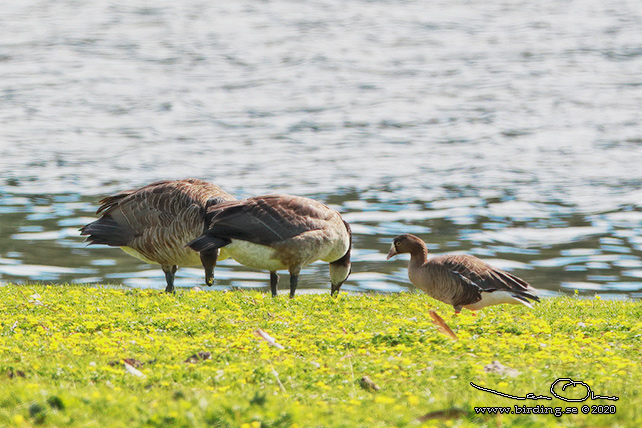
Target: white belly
{"type": "Point", "coordinates": [254, 255]}
{"type": "Point", "coordinates": [496, 298]}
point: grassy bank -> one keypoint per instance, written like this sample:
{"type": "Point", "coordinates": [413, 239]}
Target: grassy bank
{"type": "Point", "coordinates": [78, 356]}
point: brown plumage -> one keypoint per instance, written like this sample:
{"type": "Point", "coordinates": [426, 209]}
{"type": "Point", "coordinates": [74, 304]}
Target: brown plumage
{"type": "Point", "coordinates": [463, 281]}
{"type": "Point", "coordinates": [154, 223]}
{"type": "Point", "coordinates": [279, 232]}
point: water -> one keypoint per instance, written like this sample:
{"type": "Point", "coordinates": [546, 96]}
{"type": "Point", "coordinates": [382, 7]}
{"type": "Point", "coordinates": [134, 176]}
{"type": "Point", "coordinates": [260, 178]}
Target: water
{"type": "Point", "coordinates": [508, 129]}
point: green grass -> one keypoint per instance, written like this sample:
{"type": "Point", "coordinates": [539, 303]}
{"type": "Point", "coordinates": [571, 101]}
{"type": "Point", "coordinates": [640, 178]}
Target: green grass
{"type": "Point", "coordinates": [62, 350]}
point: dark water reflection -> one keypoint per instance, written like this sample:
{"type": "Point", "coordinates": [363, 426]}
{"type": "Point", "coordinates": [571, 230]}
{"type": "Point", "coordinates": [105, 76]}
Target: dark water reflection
{"type": "Point", "coordinates": [510, 131]}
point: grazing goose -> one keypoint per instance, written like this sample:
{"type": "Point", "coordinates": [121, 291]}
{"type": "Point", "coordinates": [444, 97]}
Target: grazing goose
{"type": "Point", "coordinates": [155, 222]}
{"type": "Point", "coordinates": [463, 281]}
{"type": "Point", "coordinates": [276, 232]}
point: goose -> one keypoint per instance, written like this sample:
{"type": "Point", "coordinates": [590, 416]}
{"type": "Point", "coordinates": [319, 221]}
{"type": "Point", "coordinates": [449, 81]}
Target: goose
{"type": "Point", "coordinates": [279, 232]}
{"type": "Point", "coordinates": [463, 281]}
{"type": "Point", "coordinates": [153, 223]}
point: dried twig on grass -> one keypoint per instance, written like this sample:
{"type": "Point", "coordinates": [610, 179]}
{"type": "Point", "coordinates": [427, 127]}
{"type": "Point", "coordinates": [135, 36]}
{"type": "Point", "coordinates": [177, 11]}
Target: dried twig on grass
{"type": "Point", "coordinates": [269, 339]}
{"type": "Point", "coordinates": [441, 325]}
{"type": "Point", "coordinates": [276, 375]}
{"type": "Point", "coordinates": [134, 371]}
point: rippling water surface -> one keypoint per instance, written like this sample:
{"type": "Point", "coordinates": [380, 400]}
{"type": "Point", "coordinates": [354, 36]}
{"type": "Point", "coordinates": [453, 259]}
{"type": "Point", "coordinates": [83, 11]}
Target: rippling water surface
{"type": "Point", "coordinates": [508, 129]}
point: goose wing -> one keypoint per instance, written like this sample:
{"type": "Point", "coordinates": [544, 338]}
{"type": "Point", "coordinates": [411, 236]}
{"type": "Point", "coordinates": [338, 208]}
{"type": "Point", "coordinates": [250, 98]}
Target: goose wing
{"type": "Point", "coordinates": [476, 273]}
{"type": "Point", "coordinates": [448, 285]}
{"type": "Point", "coordinates": [265, 220]}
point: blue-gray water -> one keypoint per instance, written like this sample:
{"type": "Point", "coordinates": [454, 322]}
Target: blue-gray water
{"type": "Point", "coordinates": [508, 129]}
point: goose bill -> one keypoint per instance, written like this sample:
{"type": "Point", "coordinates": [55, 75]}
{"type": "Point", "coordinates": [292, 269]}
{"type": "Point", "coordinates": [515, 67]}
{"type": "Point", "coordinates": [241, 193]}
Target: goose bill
{"type": "Point", "coordinates": [392, 252]}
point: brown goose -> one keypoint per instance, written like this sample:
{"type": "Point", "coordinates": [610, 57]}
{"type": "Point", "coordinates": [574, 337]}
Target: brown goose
{"type": "Point", "coordinates": [463, 281]}
{"type": "Point", "coordinates": [277, 232]}
{"type": "Point", "coordinates": [155, 222]}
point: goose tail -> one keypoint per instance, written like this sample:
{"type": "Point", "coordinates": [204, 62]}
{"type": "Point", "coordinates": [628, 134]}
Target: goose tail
{"type": "Point", "coordinates": [526, 295]}
{"type": "Point", "coordinates": [105, 231]}
{"type": "Point", "coordinates": [524, 301]}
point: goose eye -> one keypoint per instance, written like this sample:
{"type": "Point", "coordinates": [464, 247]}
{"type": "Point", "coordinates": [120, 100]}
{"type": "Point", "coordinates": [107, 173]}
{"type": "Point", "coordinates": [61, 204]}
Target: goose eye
{"type": "Point", "coordinates": [396, 243]}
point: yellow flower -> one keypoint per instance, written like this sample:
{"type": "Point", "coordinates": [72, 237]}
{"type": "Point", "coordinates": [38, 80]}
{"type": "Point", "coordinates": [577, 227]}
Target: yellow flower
{"type": "Point", "coordinates": [413, 400]}
{"type": "Point", "coordinates": [384, 399]}
{"type": "Point", "coordinates": [322, 385]}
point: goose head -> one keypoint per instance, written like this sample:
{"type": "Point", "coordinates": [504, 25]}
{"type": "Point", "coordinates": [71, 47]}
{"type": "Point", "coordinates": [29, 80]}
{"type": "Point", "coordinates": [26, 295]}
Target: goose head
{"type": "Point", "coordinates": [339, 272]}
{"type": "Point", "coordinates": [341, 269]}
{"type": "Point", "coordinates": [405, 243]}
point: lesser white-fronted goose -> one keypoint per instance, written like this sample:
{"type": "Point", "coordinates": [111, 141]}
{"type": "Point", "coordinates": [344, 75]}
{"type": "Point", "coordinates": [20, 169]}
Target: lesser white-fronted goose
{"type": "Point", "coordinates": [154, 223]}
{"type": "Point", "coordinates": [279, 232]}
{"type": "Point", "coordinates": [463, 281]}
